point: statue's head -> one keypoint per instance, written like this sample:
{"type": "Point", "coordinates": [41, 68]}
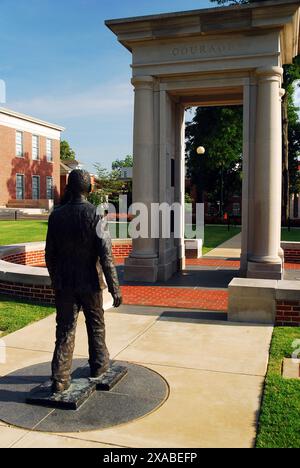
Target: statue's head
{"type": "Point", "coordinates": [79, 182]}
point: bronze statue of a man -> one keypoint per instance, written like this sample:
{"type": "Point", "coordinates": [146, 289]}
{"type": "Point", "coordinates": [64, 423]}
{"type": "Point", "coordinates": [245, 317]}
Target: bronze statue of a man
{"type": "Point", "coordinates": [77, 257]}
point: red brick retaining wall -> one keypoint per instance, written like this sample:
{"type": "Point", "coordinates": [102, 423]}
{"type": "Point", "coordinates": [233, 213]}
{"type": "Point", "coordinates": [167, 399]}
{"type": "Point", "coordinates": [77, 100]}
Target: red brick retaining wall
{"type": "Point", "coordinates": [37, 258]}
{"type": "Point", "coordinates": [292, 256]}
{"type": "Point", "coordinates": [122, 250]}
{"type": "Point", "coordinates": [34, 293]}
{"type": "Point", "coordinates": [288, 313]}
{"type": "Point", "coordinates": [43, 294]}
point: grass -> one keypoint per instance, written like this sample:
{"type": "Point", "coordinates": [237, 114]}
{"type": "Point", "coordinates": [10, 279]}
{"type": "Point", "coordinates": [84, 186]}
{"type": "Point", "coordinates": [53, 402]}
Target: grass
{"type": "Point", "coordinates": [17, 232]}
{"type": "Point", "coordinates": [16, 314]}
{"type": "Point", "coordinates": [290, 236]}
{"type": "Point", "coordinates": [279, 425]}
{"type": "Point", "coordinates": [216, 235]}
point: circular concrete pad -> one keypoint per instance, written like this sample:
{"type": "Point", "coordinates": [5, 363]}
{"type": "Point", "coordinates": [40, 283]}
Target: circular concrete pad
{"type": "Point", "coordinates": [141, 392]}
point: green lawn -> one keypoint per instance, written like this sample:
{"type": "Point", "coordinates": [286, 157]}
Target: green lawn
{"type": "Point", "coordinates": [17, 232]}
{"type": "Point", "coordinates": [279, 425]}
{"type": "Point", "coordinates": [14, 232]}
{"type": "Point", "coordinates": [216, 235]}
{"type": "Point", "coordinates": [15, 314]}
{"type": "Point", "coordinates": [292, 236]}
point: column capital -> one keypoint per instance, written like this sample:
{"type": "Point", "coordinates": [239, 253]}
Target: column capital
{"type": "Point", "coordinates": [143, 82]}
{"type": "Point", "coordinates": [282, 92]}
{"type": "Point", "coordinates": [269, 73]}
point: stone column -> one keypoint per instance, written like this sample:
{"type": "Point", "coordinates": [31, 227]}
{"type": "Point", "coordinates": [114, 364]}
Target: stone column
{"type": "Point", "coordinates": [142, 263]}
{"type": "Point", "coordinates": [265, 261]}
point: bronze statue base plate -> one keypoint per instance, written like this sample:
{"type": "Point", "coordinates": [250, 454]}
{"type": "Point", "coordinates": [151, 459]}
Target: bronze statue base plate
{"type": "Point", "coordinates": [140, 392]}
{"type": "Point", "coordinates": [80, 390]}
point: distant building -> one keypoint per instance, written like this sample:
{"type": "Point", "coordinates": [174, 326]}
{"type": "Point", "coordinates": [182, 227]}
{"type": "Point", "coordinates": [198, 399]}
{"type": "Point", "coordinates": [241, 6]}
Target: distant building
{"type": "Point", "coordinates": [126, 173]}
{"type": "Point", "coordinates": [66, 167]}
{"type": "Point", "coordinates": [29, 161]}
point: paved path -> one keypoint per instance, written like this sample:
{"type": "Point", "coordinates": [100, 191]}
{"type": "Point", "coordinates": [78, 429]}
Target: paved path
{"type": "Point", "coordinates": [215, 371]}
{"type": "Point", "coordinates": [229, 249]}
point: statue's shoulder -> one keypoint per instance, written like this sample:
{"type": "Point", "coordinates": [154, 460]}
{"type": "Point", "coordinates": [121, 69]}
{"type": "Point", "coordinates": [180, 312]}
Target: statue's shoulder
{"type": "Point", "coordinates": [89, 207]}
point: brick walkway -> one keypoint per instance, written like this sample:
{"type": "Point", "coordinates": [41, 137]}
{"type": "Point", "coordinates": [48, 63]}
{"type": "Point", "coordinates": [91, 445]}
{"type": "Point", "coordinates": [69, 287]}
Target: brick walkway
{"type": "Point", "coordinates": [222, 263]}
{"type": "Point", "coordinates": [292, 266]}
{"type": "Point", "coordinates": [210, 262]}
{"type": "Point", "coordinates": [200, 299]}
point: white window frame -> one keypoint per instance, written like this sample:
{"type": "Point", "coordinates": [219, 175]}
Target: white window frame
{"type": "Point", "coordinates": [24, 191]}
{"type": "Point", "coordinates": [20, 154]}
{"type": "Point", "coordinates": [49, 155]}
{"type": "Point", "coordinates": [49, 178]}
{"type": "Point", "coordinates": [36, 149]}
{"type": "Point", "coordinates": [39, 186]}
{"type": "Point", "coordinates": [236, 209]}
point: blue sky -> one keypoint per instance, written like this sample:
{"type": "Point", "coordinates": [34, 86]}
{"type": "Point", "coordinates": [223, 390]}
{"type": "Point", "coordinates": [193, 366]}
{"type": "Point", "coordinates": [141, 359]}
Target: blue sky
{"type": "Point", "coordinates": [60, 63]}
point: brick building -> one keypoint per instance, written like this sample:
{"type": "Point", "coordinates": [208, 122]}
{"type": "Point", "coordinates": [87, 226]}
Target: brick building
{"type": "Point", "coordinates": [29, 161]}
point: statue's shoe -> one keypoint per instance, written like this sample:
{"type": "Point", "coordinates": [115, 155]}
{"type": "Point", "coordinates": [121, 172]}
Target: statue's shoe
{"type": "Point", "coordinates": [59, 387]}
{"type": "Point", "coordinates": [95, 374]}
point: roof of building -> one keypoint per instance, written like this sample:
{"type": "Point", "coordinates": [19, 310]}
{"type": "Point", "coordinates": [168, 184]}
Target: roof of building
{"type": "Point", "coordinates": [29, 118]}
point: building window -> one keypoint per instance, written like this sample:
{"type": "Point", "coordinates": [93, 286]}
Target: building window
{"type": "Point", "coordinates": [35, 187]}
{"type": "Point", "coordinates": [20, 187]}
{"type": "Point", "coordinates": [50, 188]}
{"type": "Point", "coordinates": [49, 151]}
{"type": "Point", "coordinates": [172, 172]}
{"type": "Point", "coordinates": [35, 147]}
{"type": "Point", "coordinates": [19, 144]}
{"type": "Point", "coordinates": [236, 209]}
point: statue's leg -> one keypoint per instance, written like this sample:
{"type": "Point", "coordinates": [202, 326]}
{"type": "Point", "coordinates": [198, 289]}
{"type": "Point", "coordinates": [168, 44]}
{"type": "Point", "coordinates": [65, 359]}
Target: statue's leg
{"type": "Point", "coordinates": [92, 305]}
{"type": "Point", "coordinates": [66, 321]}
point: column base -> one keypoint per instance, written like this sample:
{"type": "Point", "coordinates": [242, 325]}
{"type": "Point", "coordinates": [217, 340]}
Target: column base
{"type": "Point", "coordinates": [166, 271]}
{"type": "Point", "coordinates": [142, 270]}
{"type": "Point", "coordinates": [265, 270]}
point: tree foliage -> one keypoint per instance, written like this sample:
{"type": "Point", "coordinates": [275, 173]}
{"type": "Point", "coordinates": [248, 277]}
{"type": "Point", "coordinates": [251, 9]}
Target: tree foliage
{"type": "Point", "coordinates": [291, 144]}
{"type": "Point", "coordinates": [218, 171]}
{"type": "Point", "coordinates": [66, 152]}
{"type": "Point", "coordinates": [108, 183]}
{"type": "Point", "coordinates": [120, 163]}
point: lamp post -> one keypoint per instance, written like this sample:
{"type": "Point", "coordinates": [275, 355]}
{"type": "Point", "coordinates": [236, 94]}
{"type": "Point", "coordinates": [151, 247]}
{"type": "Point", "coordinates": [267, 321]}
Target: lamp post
{"type": "Point", "coordinates": [201, 151]}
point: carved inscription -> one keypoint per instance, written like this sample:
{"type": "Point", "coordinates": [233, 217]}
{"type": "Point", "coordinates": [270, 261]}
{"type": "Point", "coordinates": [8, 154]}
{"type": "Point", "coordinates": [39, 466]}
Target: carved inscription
{"type": "Point", "coordinates": [198, 50]}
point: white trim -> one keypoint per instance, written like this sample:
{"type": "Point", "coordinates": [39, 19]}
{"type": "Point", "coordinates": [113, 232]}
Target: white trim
{"type": "Point", "coordinates": [21, 156]}
{"type": "Point", "coordinates": [24, 186]}
{"type": "Point", "coordinates": [38, 147]}
{"type": "Point", "coordinates": [28, 118]}
{"type": "Point", "coordinates": [49, 160]}
{"type": "Point", "coordinates": [47, 178]}
{"type": "Point", "coordinates": [39, 177]}
{"type": "Point", "coordinates": [29, 126]}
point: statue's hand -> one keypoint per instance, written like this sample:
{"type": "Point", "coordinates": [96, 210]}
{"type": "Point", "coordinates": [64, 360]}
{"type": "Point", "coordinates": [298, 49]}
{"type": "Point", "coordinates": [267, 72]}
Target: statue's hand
{"type": "Point", "coordinates": [117, 300]}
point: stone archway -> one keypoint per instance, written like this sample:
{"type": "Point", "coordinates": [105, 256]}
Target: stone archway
{"type": "Point", "coordinates": [217, 56]}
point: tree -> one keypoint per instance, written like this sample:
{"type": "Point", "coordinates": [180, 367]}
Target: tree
{"type": "Point", "coordinates": [109, 183]}
{"type": "Point", "coordinates": [218, 171]}
{"type": "Point", "coordinates": [289, 124]}
{"type": "Point", "coordinates": [289, 117]}
{"type": "Point", "coordinates": [66, 152]}
{"type": "Point", "coordinates": [235, 2]}
{"type": "Point", "coordinates": [119, 163]}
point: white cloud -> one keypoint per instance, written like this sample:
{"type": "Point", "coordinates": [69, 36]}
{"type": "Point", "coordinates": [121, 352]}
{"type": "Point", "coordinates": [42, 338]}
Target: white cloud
{"type": "Point", "coordinates": [102, 100]}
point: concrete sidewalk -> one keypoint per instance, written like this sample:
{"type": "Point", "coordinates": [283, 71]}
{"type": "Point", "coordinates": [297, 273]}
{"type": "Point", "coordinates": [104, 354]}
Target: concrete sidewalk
{"type": "Point", "coordinates": [215, 371]}
{"type": "Point", "coordinates": [229, 249]}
